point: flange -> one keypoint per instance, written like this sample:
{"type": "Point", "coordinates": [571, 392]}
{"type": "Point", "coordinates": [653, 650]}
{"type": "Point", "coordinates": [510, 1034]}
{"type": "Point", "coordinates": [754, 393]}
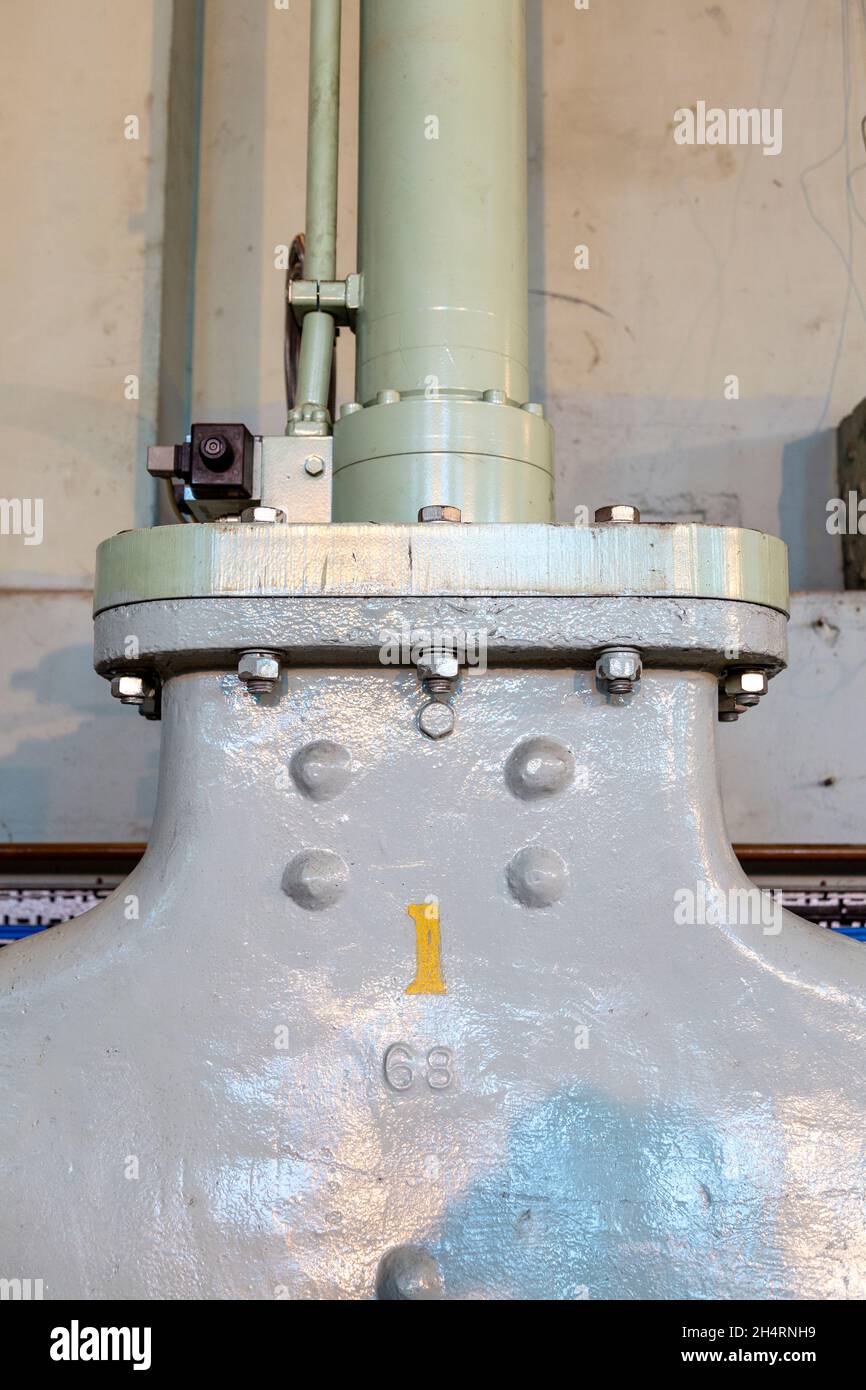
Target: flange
{"type": "Point", "coordinates": [249, 560]}
{"type": "Point", "coordinates": [172, 635]}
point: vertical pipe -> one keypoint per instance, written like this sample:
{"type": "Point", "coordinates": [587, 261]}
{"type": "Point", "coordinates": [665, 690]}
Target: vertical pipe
{"type": "Point", "coordinates": [320, 262]}
{"type": "Point", "coordinates": [320, 254]}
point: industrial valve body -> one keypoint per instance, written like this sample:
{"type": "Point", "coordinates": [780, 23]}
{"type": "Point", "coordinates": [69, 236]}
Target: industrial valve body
{"type": "Point", "coordinates": [584, 1099]}
{"type": "Point", "coordinates": [439, 977]}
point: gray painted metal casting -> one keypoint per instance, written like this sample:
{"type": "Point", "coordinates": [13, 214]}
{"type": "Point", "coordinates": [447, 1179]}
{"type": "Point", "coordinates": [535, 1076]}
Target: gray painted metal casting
{"type": "Point", "coordinates": [434, 985]}
{"type": "Point", "coordinates": [605, 1103]}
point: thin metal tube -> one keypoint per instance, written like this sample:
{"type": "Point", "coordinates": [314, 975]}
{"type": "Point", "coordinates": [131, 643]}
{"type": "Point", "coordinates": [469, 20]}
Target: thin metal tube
{"type": "Point", "coordinates": [320, 255]}
{"type": "Point", "coordinates": [323, 140]}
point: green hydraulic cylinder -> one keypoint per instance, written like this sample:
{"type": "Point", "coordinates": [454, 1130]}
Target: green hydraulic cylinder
{"type": "Point", "coordinates": [442, 414]}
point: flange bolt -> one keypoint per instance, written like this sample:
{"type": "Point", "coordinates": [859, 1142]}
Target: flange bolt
{"type": "Point", "coordinates": [618, 670]}
{"type": "Point", "coordinates": [259, 672]}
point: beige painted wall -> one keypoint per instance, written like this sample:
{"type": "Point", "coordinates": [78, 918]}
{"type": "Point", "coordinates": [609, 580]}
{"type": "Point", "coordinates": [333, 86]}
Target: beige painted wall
{"type": "Point", "coordinates": [80, 243]}
{"type": "Point", "coordinates": [705, 260]}
{"type": "Point", "coordinates": [81, 249]}
{"type": "Point", "coordinates": [253, 176]}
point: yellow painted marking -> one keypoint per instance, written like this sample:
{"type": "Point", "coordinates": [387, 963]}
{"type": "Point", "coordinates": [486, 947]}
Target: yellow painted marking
{"type": "Point", "coordinates": [428, 949]}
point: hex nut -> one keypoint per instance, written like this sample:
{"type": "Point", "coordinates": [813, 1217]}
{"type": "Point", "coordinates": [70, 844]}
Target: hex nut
{"type": "Point", "coordinates": [438, 665]}
{"type": "Point", "coordinates": [436, 719]}
{"type": "Point", "coordinates": [265, 515]}
{"type": "Point", "coordinates": [617, 515]}
{"type": "Point", "coordinates": [132, 690]}
{"type": "Point", "coordinates": [259, 671]}
{"type": "Point", "coordinates": [440, 514]}
{"type": "Point", "coordinates": [619, 666]}
{"type": "Point", "coordinates": [746, 685]}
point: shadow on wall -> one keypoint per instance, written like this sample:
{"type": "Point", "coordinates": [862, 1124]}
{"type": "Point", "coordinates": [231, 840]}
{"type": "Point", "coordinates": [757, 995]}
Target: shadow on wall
{"type": "Point", "coordinates": [810, 479]}
{"type": "Point", "coordinates": [54, 782]}
{"type": "Point", "coordinates": [229, 286]}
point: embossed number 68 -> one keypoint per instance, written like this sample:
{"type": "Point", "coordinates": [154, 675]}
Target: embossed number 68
{"type": "Point", "coordinates": [398, 1067]}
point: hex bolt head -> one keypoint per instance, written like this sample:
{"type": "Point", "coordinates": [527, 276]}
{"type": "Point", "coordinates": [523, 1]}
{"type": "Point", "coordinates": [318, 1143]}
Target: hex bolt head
{"type": "Point", "coordinates": [617, 515]}
{"type": "Point", "coordinates": [259, 671]}
{"type": "Point", "coordinates": [438, 665]}
{"type": "Point", "coordinates": [314, 466]}
{"type": "Point", "coordinates": [132, 690]}
{"type": "Point", "coordinates": [618, 670]}
{"type": "Point", "coordinates": [746, 687]}
{"type": "Point", "coordinates": [440, 514]}
{"type": "Point", "coordinates": [436, 719]}
{"type": "Point", "coordinates": [266, 516]}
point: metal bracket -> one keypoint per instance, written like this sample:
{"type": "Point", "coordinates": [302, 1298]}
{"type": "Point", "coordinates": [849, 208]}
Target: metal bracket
{"type": "Point", "coordinates": [339, 298]}
{"type": "Point", "coordinates": [296, 476]}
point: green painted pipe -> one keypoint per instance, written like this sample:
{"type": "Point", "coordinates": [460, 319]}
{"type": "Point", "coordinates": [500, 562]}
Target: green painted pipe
{"type": "Point", "coordinates": [316, 356]}
{"type": "Point", "coordinates": [442, 242]}
{"type": "Point", "coordinates": [442, 198]}
{"type": "Point", "coordinates": [323, 132]}
{"type": "Point", "coordinates": [320, 255]}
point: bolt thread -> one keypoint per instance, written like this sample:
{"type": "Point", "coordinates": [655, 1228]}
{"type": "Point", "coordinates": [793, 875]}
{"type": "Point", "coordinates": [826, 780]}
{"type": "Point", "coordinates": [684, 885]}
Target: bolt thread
{"type": "Point", "coordinates": [620, 687]}
{"type": "Point", "coordinates": [438, 685]}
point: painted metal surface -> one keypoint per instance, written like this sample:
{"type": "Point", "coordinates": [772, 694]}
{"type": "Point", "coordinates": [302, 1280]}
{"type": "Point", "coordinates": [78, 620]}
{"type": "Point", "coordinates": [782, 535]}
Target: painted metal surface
{"type": "Point", "coordinates": [323, 130]}
{"type": "Point", "coordinates": [604, 1103]}
{"type": "Point", "coordinates": [442, 324]}
{"type": "Point", "coordinates": [664, 560]}
{"type": "Point", "coordinates": [442, 197]}
{"type": "Point", "coordinates": [493, 460]}
{"type": "Point", "coordinates": [186, 634]}
{"type": "Point", "coordinates": [296, 477]}
{"type": "Point", "coordinates": [792, 771]}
